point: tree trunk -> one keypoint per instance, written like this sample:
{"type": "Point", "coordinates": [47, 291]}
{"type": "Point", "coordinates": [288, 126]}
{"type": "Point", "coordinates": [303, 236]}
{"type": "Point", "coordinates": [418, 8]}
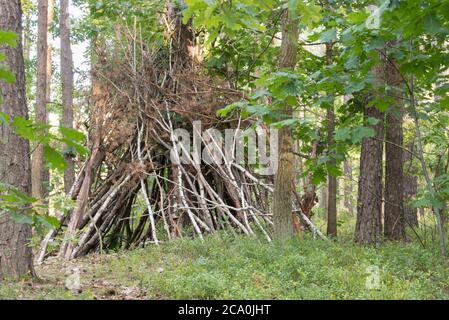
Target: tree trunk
{"type": "Point", "coordinates": [282, 197]}
{"type": "Point", "coordinates": [27, 36]}
{"type": "Point", "coordinates": [38, 167]}
{"type": "Point", "coordinates": [323, 198]}
{"type": "Point", "coordinates": [332, 180]}
{"type": "Point", "coordinates": [410, 189]}
{"type": "Point", "coordinates": [347, 169]}
{"type": "Point", "coordinates": [50, 15]}
{"type": "Point", "coordinates": [394, 224]}
{"type": "Point", "coordinates": [369, 202]}
{"type": "Point", "coordinates": [67, 86]}
{"type": "Point", "coordinates": [15, 255]}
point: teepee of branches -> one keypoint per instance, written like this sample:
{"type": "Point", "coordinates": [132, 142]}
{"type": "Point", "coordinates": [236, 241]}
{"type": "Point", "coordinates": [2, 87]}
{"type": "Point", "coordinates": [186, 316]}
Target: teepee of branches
{"type": "Point", "coordinates": [129, 192]}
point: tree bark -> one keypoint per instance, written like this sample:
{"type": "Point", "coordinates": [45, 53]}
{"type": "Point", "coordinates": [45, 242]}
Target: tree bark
{"type": "Point", "coordinates": [348, 189]}
{"type": "Point", "coordinates": [50, 16]}
{"type": "Point", "coordinates": [38, 166]}
{"type": "Point", "coordinates": [394, 223]}
{"type": "Point", "coordinates": [369, 202]}
{"type": "Point", "coordinates": [332, 180]}
{"type": "Point", "coordinates": [323, 198]}
{"type": "Point", "coordinates": [27, 34]}
{"type": "Point", "coordinates": [67, 86]}
{"type": "Point", "coordinates": [282, 197]}
{"type": "Point", "coordinates": [15, 255]}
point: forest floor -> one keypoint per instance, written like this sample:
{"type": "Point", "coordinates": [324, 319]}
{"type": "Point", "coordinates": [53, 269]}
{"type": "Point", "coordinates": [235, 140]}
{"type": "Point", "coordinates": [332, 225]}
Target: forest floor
{"type": "Point", "coordinates": [223, 267]}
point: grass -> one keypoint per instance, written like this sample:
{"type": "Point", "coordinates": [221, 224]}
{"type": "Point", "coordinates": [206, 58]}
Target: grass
{"type": "Point", "coordinates": [222, 267]}
{"type": "Point", "coordinates": [244, 268]}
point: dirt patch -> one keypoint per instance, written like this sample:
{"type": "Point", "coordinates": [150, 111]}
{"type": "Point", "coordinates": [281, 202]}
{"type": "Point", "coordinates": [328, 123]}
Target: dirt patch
{"type": "Point", "coordinates": [79, 278]}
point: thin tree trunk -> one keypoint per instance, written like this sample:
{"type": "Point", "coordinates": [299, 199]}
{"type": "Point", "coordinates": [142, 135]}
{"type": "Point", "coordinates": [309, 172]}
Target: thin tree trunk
{"type": "Point", "coordinates": [323, 198]}
{"type": "Point", "coordinates": [50, 16]}
{"type": "Point", "coordinates": [410, 187]}
{"type": "Point", "coordinates": [348, 189]}
{"type": "Point", "coordinates": [332, 180]}
{"type": "Point", "coordinates": [282, 197]}
{"type": "Point", "coordinates": [410, 190]}
{"type": "Point", "coordinates": [27, 41]}
{"type": "Point", "coordinates": [38, 167]}
{"type": "Point", "coordinates": [15, 255]}
{"type": "Point", "coordinates": [67, 86]}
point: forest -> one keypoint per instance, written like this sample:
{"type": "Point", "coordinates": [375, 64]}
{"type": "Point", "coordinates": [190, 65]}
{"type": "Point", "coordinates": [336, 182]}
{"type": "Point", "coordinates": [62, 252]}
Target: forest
{"type": "Point", "coordinates": [224, 149]}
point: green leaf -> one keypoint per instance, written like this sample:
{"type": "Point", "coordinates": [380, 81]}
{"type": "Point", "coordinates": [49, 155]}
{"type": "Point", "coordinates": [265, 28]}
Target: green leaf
{"type": "Point", "coordinates": [224, 112]}
{"type": "Point", "coordinates": [357, 17]}
{"type": "Point", "coordinates": [260, 93]}
{"type": "Point", "coordinates": [48, 221]}
{"type": "Point", "coordinates": [286, 123]}
{"type": "Point", "coordinates": [72, 134]}
{"type": "Point", "coordinates": [230, 20]}
{"type": "Point", "coordinates": [7, 75]}
{"type": "Point", "coordinates": [258, 109]}
{"type": "Point", "coordinates": [444, 103]}
{"type": "Point", "coordinates": [329, 36]}
{"type": "Point", "coordinates": [358, 134]}
{"type": "Point", "coordinates": [318, 176]}
{"type": "Point", "coordinates": [9, 38]}
{"type": "Point", "coordinates": [24, 128]}
{"type": "Point", "coordinates": [4, 118]}
{"type": "Point", "coordinates": [333, 170]}
{"type": "Point", "coordinates": [21, 218]}
{"type": "Point", "coordinates": [54, 158]}
{"type": "Point", "coordinates": [80, 149]}
{"type": "Point", "coordinates": [382, 104]}
{"type": "Point", "coordinates": [310, 13]}
{"type": "Point", "coordinates": [372, 121]}
{"type": "Point", "coordinates": [343, 134]}
{"type": "Point", "coordinates": [431, 24]}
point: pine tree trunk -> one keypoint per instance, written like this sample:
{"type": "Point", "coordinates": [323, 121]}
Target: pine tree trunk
{"type": "Point", "coordinates": [282, 197]}
{"type": "Point", "coordinates": [67, 86]}
{"type": "Point", "coordinates": [332, 180]}
{"type": "Point", "coordinates": [394, 224]}
{"type": "Point", "coordinates": [15, 255]}
{"type": "Point", "coordinates": [369, 201]}
{"type": "Point", "coordinates": [38, 167]}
